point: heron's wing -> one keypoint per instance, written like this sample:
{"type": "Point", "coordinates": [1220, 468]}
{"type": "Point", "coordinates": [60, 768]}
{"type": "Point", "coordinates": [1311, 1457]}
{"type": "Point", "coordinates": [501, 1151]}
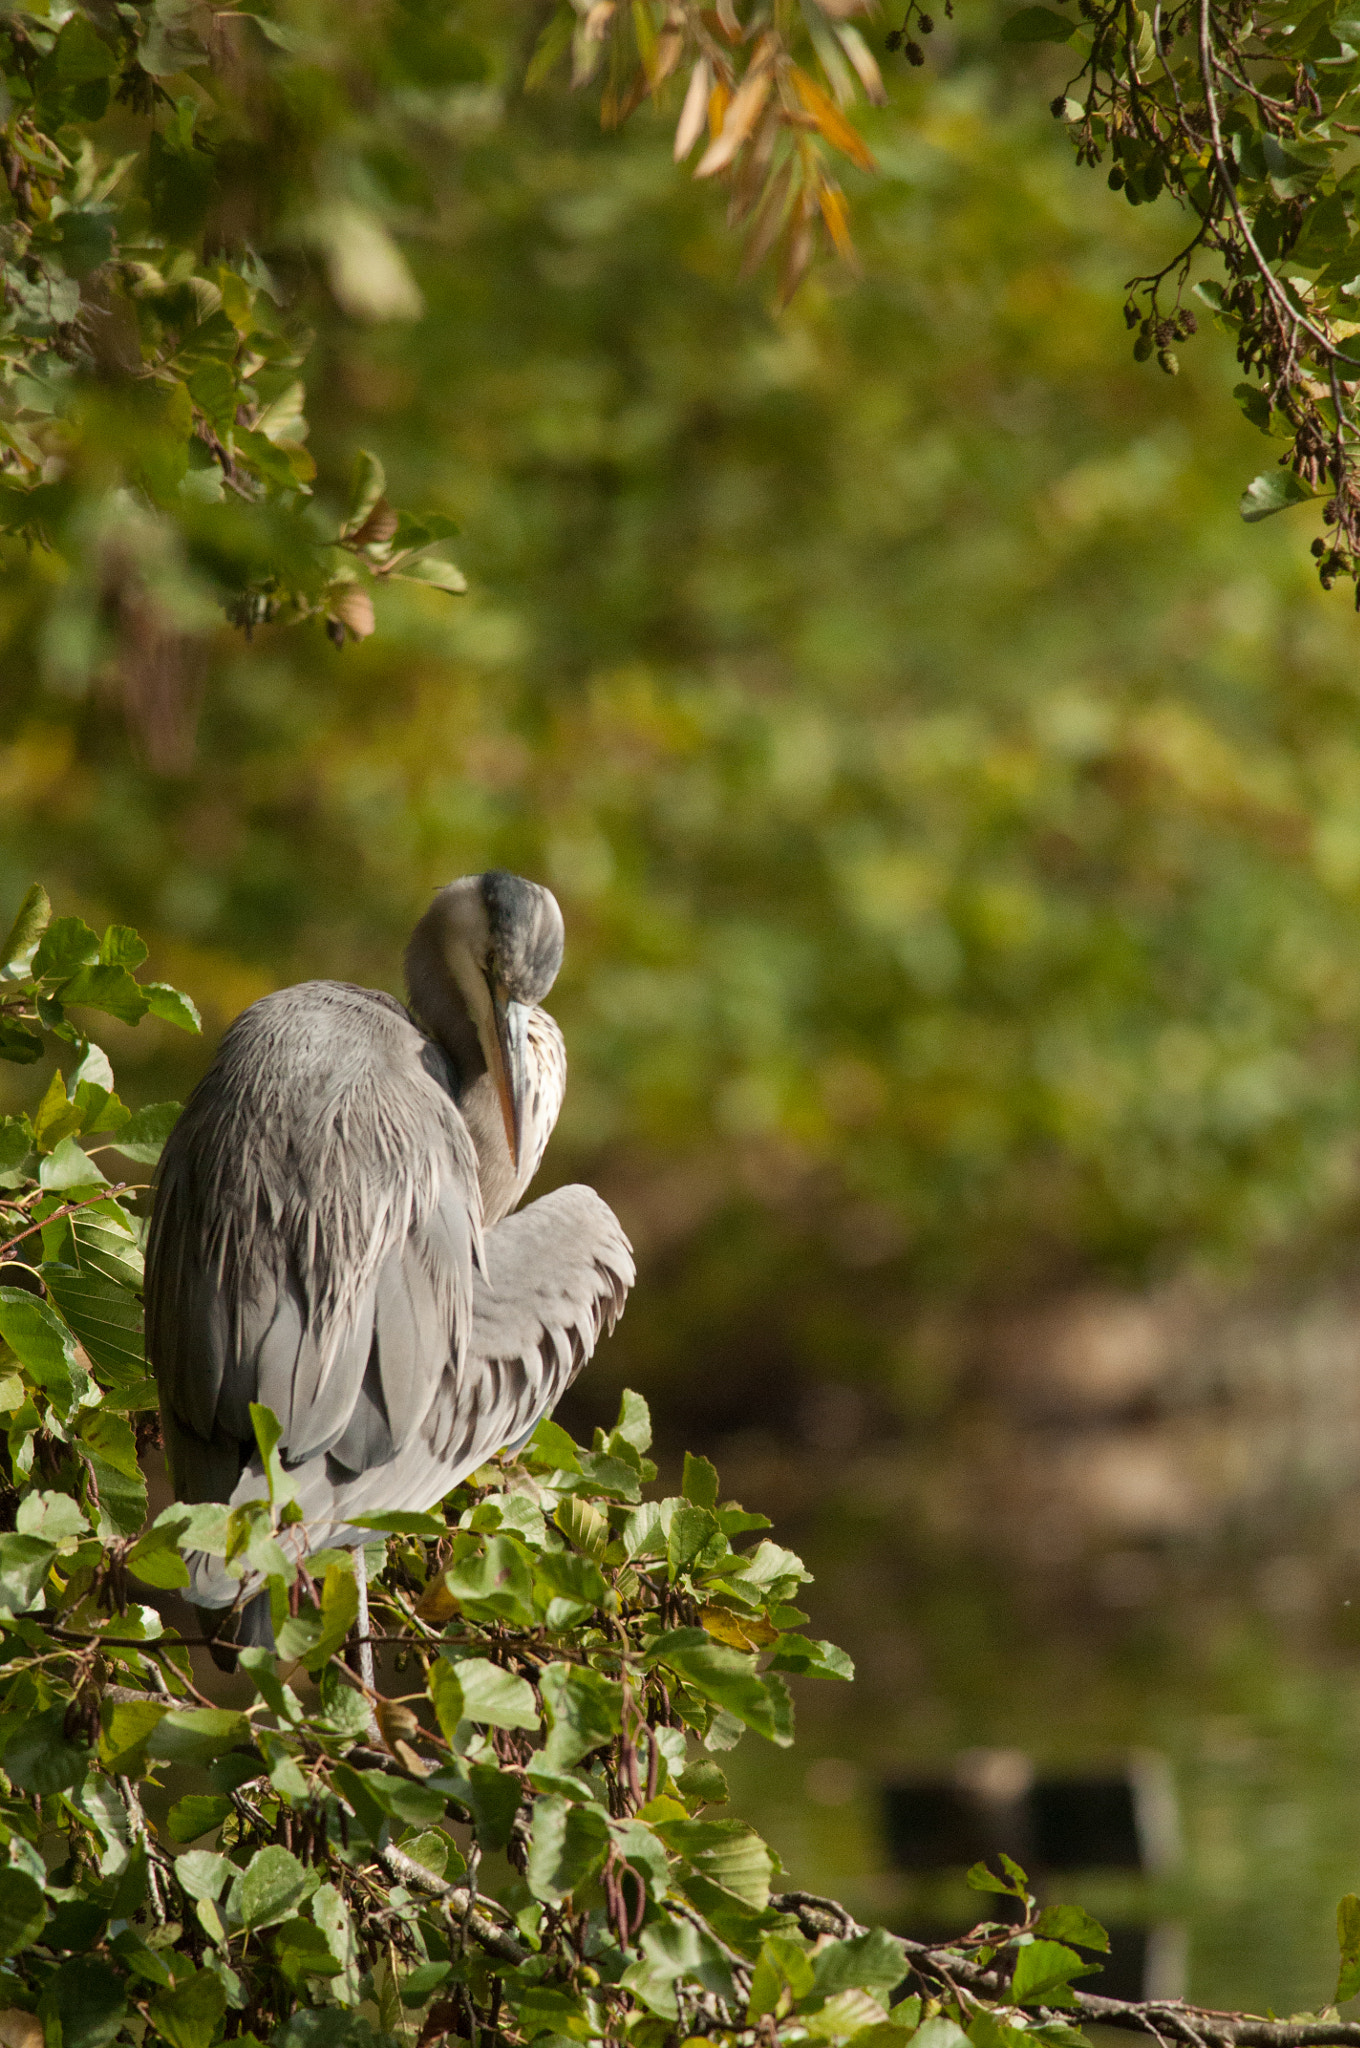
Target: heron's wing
{"type": "Point", "coordinates": [556, 1277]}
{"type": "Point", "coordinates": [314, 1239]}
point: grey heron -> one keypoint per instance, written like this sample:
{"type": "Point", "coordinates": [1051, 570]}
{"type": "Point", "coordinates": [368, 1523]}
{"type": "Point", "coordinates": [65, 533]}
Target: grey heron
{"type": "Point", "coordinates": [333, 1234]}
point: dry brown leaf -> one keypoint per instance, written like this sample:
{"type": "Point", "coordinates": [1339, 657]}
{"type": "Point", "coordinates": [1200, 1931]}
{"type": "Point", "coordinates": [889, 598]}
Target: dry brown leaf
{"type": "Point", "coordinates": [354, 608]}
{"type": "Point", "coordinates": [396, 1722]}
{"type": "Point", "coordinates": [377, 529]}
{"type": "Point", "coordinates": [865, 63]}
{"type": "Point", "coordinates": [436, 1603]}
{"type": "Point", "coordinates": [768, 221]}
{"type": "Point", "coordinates": [20, 2029]}
{"type": "Point", "coordinates": [831, 122]}
{"type": "Point", "coordinates": [739, 120]}
{"type": "Point", "coordinates": [692, 113]}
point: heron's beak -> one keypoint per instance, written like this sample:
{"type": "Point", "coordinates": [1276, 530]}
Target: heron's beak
{"type": "Point", "coordinates": [507, 1067]}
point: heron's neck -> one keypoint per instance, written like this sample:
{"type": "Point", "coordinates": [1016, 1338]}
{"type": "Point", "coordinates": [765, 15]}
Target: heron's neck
{"type": "Point", "coordinates": [441, 1010]}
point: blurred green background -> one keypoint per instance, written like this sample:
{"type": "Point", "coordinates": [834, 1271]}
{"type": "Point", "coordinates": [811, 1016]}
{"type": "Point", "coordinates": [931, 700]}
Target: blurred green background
{"type": "Point", "coordinates": [956, 814]}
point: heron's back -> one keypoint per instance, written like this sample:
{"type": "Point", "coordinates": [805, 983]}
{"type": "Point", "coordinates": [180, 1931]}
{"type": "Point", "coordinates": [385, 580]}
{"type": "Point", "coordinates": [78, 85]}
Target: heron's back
{"type": "Point", "coordinates": [318, 1196]}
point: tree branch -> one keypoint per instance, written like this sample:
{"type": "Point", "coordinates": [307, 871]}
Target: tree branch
{"type": "Point", "coordinates": [461, 1903]}
{"type": "Point", "coordinates": [1162, 2018]}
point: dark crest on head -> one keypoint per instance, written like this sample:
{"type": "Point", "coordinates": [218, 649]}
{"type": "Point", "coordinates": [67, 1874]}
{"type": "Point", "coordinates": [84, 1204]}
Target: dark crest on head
{"type": "Point", "coordinates": [525, 927]}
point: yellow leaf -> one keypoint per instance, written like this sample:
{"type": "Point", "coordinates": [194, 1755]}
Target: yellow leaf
{"type": "Point", "coordinates": [719, 100]}
{"type": "Point", "coordinates": [831, 121]}
{"type": "Point", "coordinates": [739, 1631]}
{"type": "Point", "coordinates": [836, 214]}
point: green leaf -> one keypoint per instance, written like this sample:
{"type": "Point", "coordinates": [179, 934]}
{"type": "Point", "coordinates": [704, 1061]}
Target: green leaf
{"type": "Point", "coordinates": [30, 923]}
{"type": "Point", "coordinates": [1043, 1972]}
{"type": "Point", "coordinates": [700, 1483]}
{"type": "Point", "coordinates": [703, 1781]}
{"type": "Point", "coordinates": [811, 1659]}
{"type": "Point", "coordinates": [635, 1421]}
{"type": "Point", "coordinates": [730, 1852]}
{"type": "Point", "coordinates": [1038, 25]}
{"type": "Point", "coordinates": [339, 1612]}
{"type": "Point", "coordinates": [302, 1951]}
{"type": "Point", "coordinates": [870, 1962]}
{"type": "Point", "coordinates": [195, 1735]}
{"type": "Point", "coordinates": [16, 1142]}
{"type": "Point", "coordinates": [582, 1524]}
{"type": "Point", "coordinates": [783, 1974]}
{"type": "Point", "coordinates": [23, 1908]}
{"type": "Point", "coordinates": [67, 944]}
{"type": "Point", "coordinates": [171, 1006]}
{"type": "Point", "coordinates": [404, 1524]}
{"type": "Point", "coordinates": [1013, 1881]}
{"type": "Point", "coordinates": [1348, 1941]}
{"type": "Point", "coordinates": [367, 485]}
{"type": "Point", "coordinates": [19, 1043]}
{"type": "Point", "coordinates": [1074, 1924]}
{"type": "Point", "coordinates": [53, 1516]}
{"type": "Point", "coordinates": [692, 1531]}
{"type": "Point", "coordinates": [568, 1846]}
{"type": "Point", "coordinates": [434, 570]}
{"type": "Point", "coordinates": [274, 1885]}
{"type": "Point", "coordinates": [491, 1695]}
{"type": "Point", "coordinates": [144, 1134]}
{"type": "Point", "coordinates": [42, 1343]}
{"type": "Point", "coordinates": [105, 1315]}
{"type": "Point", "coordinates": [39, 1758]}
{"type": "Point", "coordinates": [550, 1446]}
{"type": "Point", "coordinates": [495, 1585]}
{"type": "Point", "coordinates": [562, 1575]}
{"type": "Point", "coordinates": [88, 1999]}
{"type": "Point", "coordinates": [68, 1166]}
{"type": "Point", "coordinates": [729, 1678]}
{"type": "Point", "coordinates": [127, 1726]}
{"type": "Point", "coordinates": [111, 989]}
{"type": "Point", "coordinates": [584, 1709]}
{"type": "Point", "coordinates": [198, 1813]}
{"type": "Point", "coordinates": [1273, 491]}
{"type": "Point", "coordinates": [939, 2032]}
{"type": "Point", "coordinates": [55, 1116]}
{"type": "Point", "coordinates": [121, 946]}
{"type": "Point", "coordinates": [25, 1562]}
{"type": "Point", "coordinates": [187, 2015]}
{"type": "Point", "coordinates": [268, 1436]}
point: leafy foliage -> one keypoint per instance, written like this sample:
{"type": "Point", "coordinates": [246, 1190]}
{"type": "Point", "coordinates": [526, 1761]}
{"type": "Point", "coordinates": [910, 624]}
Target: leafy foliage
{"type": "Point", "coordinates": [1244, 113]}
{"type": "Point", "coordinates": [152, 416]}
{"type": "Point", "coordinates": [518, 1846]}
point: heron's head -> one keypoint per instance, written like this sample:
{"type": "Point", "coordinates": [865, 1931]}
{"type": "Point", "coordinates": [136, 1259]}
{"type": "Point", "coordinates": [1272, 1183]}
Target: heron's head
{"type": "Point", "coordinates": [498, 939]}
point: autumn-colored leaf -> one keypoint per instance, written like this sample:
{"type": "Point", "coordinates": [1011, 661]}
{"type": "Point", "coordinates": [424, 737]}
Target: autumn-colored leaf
{"type": "Point", "coordinates": [353, 607]}
{"type": "Point", "coordinates": [740, 119]}
{"type": "Point", "coordinates": [836, 214]}
{"type": "Point", "coordinates": [830, 121]}
{"type": "Point", "coordinates": [693, 111]}
{"type": "Point", "coordinates": [741, 1631]}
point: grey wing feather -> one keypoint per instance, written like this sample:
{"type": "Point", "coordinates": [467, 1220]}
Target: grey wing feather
{"type": "Point", "coordinates": [314, 1240]}
{"type": "Point", "coordinates": [556, 1277]}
